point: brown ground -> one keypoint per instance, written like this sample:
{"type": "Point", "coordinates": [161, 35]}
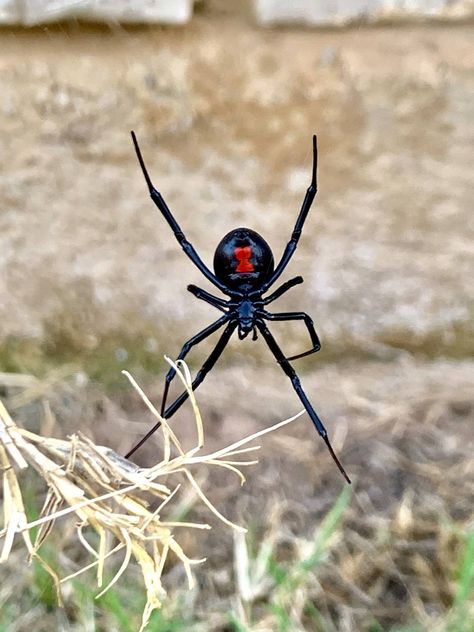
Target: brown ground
{"type": "Point", "coordinates": [225, 113]}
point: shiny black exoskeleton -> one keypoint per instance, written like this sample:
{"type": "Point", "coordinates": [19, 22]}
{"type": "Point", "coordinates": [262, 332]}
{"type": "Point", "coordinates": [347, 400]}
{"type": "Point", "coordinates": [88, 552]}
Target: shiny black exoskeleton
{"type": "Point", "coordinates": [247, 272]}
{"type": "Point", "coordinates": [244, 271]}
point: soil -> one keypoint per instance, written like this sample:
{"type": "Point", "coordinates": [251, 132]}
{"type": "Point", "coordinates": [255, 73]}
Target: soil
{"type": "Point", "coordinates": [225, 112]}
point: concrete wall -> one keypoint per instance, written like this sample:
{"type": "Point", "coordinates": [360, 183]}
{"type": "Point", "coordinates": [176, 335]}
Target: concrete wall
{"type": "Point", "coordinates": [324, 12]}
{"type": "Point", "coordinates": [266, 12]}
{"type": "Point", "coordinates": [32, 12]}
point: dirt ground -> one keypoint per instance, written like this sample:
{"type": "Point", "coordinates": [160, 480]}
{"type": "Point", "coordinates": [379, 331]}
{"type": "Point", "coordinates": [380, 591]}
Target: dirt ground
{"type": "Point", "coordinates": [224, 112]}
{"type": "Point", "coordinates": [225, 117]}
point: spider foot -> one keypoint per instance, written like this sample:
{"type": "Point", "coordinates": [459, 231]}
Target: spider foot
{"type": "Point", "coordinates": [336, 460]}
{"type": "Point", "coordinates": [304, 354]}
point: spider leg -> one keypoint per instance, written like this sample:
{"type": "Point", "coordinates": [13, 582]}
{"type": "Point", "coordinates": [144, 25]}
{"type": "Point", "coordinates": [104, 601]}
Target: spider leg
{"type": "Point", "coordinates": [186, 348]}
{"type": "Point", "coordinates": [291, 373]}
{"type": "Point", "coordinates": [295, 235]}
{"type": "Point", "coordinates": [206, 367]}
{"type": "Point", "coordinates": [209, 298]}
{"type": "Point", "coordinates": [309, 325]}
{"type": "Point", "coordinates": [204, 370]}
{"type": "Point", "coordinates": [282, 289]}
{"type": "Point", "coordinates": [178, 233]}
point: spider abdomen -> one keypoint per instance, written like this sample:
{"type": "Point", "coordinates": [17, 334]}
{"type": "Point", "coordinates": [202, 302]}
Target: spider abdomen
{"type": "Point", "coordinates": [243, 260]}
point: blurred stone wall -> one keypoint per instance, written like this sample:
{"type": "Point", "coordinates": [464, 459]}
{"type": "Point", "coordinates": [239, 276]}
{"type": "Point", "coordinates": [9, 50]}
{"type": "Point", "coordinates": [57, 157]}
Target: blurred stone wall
{"type": "Point", "coordinates": [324, 12]}
{"type": "Point", "coordinates": [266, 12]}
{"type": "Point", "coordinates": [32, 12]}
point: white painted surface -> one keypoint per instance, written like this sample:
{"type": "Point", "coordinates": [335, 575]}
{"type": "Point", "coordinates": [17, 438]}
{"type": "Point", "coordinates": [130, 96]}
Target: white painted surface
{"type": "Point", "coordinates": [322, 12]}
{"type": "Point", "coordinates": [267, 12]}
{"type": "Point", "coordinates": [32, 12]}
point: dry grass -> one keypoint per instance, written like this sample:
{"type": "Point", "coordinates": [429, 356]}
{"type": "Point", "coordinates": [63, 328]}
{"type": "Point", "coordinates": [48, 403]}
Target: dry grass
{"type": "Point", "coordinates": [113, 497]}
{"type": "Point", "coordinates": [395, 553]}
{"type": "Point", "coordinates": [401, 555]}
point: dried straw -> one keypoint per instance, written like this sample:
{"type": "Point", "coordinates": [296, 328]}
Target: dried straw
{"type": "Point", "coordinates": [106, 492]}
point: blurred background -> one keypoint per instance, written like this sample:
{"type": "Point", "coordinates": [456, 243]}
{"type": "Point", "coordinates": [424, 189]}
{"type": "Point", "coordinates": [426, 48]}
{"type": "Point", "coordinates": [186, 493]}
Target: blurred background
{"type": "Point", "coordinates": [224, 98]}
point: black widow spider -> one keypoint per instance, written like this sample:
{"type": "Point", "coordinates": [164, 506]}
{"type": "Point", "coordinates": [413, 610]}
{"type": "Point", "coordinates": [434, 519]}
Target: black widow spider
{"type": "Point", "coordinates": [244, 271]}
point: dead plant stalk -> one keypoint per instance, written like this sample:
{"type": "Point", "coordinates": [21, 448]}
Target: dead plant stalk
{"type": "Point", "coordinates": [106, 493]}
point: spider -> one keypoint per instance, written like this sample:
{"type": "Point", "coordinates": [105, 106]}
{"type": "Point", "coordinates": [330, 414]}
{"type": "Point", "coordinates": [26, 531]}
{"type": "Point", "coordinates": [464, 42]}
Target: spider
{"type": "Point", "coordinates": [244, 271]}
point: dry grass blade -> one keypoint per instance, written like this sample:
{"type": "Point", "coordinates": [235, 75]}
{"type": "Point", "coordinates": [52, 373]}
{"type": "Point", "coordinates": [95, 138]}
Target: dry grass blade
{"type": "Point", "coordinates": [106, 492]}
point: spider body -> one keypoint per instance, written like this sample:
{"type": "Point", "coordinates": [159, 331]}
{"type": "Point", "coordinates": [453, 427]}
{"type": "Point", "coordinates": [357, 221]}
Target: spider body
{"type": "Point", "coordinates": [246, 316]}
{"type": "Point", "coordinates": [244, 271]}
{"type": "Point", "coordinates": [243, 260]}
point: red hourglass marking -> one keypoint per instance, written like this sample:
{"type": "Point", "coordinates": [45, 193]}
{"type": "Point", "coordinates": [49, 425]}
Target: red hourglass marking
{"type": "Point", "coordinates": [243, 257]}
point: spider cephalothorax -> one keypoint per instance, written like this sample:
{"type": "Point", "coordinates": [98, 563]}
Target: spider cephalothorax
{"type": "Point", "coordinates": [244, 271]}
